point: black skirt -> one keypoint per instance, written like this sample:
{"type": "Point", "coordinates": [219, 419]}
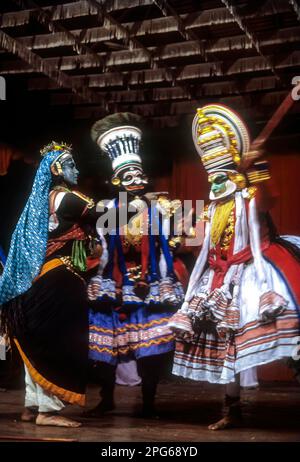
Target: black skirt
{"type": "Point", "coordinates": [53, 341]}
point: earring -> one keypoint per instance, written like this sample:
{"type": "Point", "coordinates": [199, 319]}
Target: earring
{"type": "Point", "coordinates": [56, 169]}
{"type": "Point", "coordinates": [115, 181]}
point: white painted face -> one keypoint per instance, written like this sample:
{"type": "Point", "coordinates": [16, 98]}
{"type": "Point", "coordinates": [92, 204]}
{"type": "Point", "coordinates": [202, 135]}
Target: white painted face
{"type": "Point", "coordinates": [134, 179]}
{"type": "Point", "coordinates": [221, 186]}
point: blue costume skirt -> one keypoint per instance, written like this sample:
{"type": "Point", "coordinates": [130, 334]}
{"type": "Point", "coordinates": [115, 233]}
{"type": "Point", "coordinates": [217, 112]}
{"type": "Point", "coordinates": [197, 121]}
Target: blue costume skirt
{"type": "Point", "coordinates": [120, 335]}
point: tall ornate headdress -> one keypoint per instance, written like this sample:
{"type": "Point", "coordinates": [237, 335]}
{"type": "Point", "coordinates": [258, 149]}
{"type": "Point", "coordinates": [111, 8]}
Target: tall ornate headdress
{"type": "Point", "coordinates": [220, 137]}
{"type": "Point", "coordinates": [119, 138]}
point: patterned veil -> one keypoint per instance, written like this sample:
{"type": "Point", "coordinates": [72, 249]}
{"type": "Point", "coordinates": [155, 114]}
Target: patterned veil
{"type": "Point", "coordinates": [29, 240]}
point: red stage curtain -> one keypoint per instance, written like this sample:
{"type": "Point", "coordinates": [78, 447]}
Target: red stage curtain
{"type": "Point", "coordinates": [5, 158]}
{"type": "Point", "coordinates": [8, 154]}
{"type": "Point", "coordinates": [285, 170]}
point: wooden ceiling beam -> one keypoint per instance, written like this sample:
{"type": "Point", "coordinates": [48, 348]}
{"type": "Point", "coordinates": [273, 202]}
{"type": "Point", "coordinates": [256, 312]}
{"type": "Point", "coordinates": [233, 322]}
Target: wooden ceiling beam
{"type": "Point", "coordinates": [110, 79]}
{"type": "Point", "coordinates": [200, 19]}
{"type": "Point", "coordinates": [12, 45]}
{"type": "Point", "coordinates": [296, 8]}
{"type": "Point", "coordinates": [126, 96]}
{"type": "Point", "coordinates": [165, 96]}
{"type": "Point", "coordinates": [241, 22]}
{"type": "Point", "coordinates": [97, 35]}
{"type": "Point", "coordinates": [256, 106]}
{"type": "Point", "coordinates": [45, 18]}
{"type": "Point", "coordinates": [123, 33]}
{"type": "Point", "coordinates": [185, 72]}
{"type": "Point", "coordinates": [188, 35]}
{"type": "Point", "coordinates": [233, 86]}
{"type": "Point", "coordinates": [72, 10]}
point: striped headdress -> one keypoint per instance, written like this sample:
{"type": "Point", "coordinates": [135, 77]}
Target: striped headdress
{"type": "Point", "coordinates": [119, 137]}
{"type": "Point", "coordinates": [220, 137]}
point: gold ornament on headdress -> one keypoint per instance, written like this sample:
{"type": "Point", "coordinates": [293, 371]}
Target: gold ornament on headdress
{"type": "Point", "coordinates": [64, 148]}
{"type": "Point", "coordinates": [220, 137]}
{"type": "Point", "coordinates": [239, 179]}
{"type": "Point", "coordinates": [208, 124]}
{"type": "Point", "coordinates": [54, 146]}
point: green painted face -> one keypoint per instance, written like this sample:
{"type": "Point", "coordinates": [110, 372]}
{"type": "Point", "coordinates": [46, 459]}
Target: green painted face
{"type": "Point", "coordinates": [218, 186]}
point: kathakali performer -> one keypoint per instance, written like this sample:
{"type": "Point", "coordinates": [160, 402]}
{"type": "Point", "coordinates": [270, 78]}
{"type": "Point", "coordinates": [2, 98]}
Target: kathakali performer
{"type": "Point", "coordinates": [43, 292]}
{"type": "Point", "coordinates": [241, 308]}
{"type": "Point", "coordinates": [137, 291]}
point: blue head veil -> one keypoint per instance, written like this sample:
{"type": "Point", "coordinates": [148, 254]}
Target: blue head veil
{"type": "Point", "coordinates": [29, 241]}
{"type": "Point", "coordinates": [2, 256]}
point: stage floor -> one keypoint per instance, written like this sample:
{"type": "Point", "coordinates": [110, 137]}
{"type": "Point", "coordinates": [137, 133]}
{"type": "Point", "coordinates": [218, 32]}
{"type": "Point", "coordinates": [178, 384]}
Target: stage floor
{"type": "Point", "coordinates": [272, 414]}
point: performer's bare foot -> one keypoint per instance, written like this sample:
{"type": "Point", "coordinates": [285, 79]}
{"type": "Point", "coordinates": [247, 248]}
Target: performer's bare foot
{"type": "Point", "coordinates": [226, 422]}
{"type": "Point", "coordinates": [55, 420]}
{"type": "Point", "coordinates": [101, 409]}
{"type": "Point", "coordinates": [29, 414]}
